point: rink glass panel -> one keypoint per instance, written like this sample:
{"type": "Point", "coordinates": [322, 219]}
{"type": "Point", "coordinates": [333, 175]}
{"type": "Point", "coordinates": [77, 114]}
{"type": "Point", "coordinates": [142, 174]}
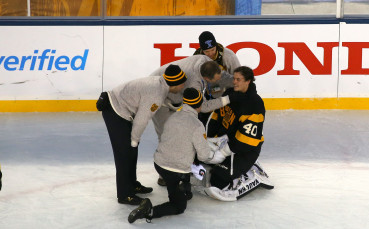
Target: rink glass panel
{"type": "Point", "coordinates": [106, 8]}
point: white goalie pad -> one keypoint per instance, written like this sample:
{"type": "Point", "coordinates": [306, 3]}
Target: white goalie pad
{"type": "Point", "coordinates": [262, 176]}
{"type": "Point", "coordinates": [255, 177]}
{"type": "Point", "coordinates": [223, 195]}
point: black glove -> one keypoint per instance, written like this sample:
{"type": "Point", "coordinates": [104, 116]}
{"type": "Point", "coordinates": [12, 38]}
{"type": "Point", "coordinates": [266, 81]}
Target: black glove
{"type": "Point", "coordinates": [103, 102]}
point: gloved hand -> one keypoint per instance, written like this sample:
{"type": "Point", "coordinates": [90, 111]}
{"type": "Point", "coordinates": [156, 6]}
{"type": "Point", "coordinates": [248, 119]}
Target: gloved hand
{"type": "Point", "coordinates": [217, 142]}
{"type": "Point", "coordinates": [103, 101]}
{"type": "Point", "coordinates": [216, 157]}
{"type": "Point", "coordinates": [225, 150]}
{"type": "Point", "coordinates": [213, 146]}
{"type": "Point", "coordinates": [198, 171]}
{"type": "Point", "coordinates": [219, 149]}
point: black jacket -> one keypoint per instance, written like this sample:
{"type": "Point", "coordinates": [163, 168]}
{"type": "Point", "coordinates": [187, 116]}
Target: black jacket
{"type": "Point", "coordinates": [242, 121]}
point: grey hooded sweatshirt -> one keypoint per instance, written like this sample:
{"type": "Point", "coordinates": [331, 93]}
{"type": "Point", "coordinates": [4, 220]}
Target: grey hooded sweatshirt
{"type": "Point", "coordinates": [183, 137]}
{"type": "Point", "coordinates": [138, 100]}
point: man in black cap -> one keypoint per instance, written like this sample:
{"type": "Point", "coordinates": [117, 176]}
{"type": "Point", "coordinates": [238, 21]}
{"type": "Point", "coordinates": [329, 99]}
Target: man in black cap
{"type": "Point", "coordinates": [225, 57]}
{"type": "Point", "coordinates": [227, 61]}
{"type": "Point", "coordinates": [184, 131]}
{"type": "Point", "coordinates": [127, 110]}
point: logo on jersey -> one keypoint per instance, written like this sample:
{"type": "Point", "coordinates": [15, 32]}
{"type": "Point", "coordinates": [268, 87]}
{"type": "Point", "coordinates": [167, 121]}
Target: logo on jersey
{"type": "Point", "coordinates": [154, 107]}
{"type": "Point", "coordinates": [228, 116]}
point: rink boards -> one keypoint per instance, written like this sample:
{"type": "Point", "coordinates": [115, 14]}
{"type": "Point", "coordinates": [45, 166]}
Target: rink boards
{"type": "Point", "coordinates": [297, 66]}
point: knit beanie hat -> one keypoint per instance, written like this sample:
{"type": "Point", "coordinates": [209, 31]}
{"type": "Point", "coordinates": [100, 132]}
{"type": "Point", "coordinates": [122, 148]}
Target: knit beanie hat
{"type": "Point", "coordinates": [207, 40]}
{"type": "Point", "coordinates": [174, 76]}
{"type": "Point", "coordinates": [192, 97]}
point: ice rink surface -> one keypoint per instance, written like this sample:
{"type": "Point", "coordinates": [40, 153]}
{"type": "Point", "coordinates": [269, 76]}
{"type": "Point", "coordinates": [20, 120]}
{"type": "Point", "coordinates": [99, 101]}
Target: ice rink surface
{"type": "Point", "coordinates": [58, 172]}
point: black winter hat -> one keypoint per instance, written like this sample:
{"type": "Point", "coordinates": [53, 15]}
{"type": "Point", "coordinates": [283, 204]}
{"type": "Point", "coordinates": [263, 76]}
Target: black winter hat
{"type": "Point", "coordinates": [174, 76]}
{"type": "Point", "coordinates": [207, 40]}
{"type": "Point", "coordinates": [192, 97]}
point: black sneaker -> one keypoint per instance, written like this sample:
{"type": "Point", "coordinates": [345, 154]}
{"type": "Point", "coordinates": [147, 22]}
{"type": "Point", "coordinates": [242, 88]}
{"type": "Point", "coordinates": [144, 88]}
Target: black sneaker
{"type": "Point", "coordinates": [142, 189]}
{"type": "Point", "coordinates": [132, 200]}
{"type": "Point", "coordinates": [161, 182]}
{"type": "Point", "coordinates": [143, 211]}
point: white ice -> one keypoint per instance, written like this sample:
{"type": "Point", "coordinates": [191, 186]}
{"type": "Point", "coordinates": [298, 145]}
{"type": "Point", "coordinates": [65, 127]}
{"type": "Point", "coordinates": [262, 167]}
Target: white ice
{"type": "Point", "coordinates": [58, 172]}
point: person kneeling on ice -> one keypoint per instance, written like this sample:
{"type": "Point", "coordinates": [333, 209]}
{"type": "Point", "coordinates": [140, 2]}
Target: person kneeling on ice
{"type": "Point", "coordinates": [183, 138]}
{"type": "Point", "coordinates": [242, 124]}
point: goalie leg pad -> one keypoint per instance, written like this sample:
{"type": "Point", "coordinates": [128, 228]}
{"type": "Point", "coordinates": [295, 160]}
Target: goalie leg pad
{"type": "Point", "coordinates": [262, 176]}
{"type": "Point", "coordinates": [255, 177]}
{"type": "Point", "coordinates": [247, 184]}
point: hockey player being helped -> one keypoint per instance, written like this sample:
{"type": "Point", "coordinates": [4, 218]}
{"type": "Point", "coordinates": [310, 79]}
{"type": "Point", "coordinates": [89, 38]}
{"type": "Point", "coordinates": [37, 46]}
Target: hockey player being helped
{"type": "Point", "coordinates": [241, 124]}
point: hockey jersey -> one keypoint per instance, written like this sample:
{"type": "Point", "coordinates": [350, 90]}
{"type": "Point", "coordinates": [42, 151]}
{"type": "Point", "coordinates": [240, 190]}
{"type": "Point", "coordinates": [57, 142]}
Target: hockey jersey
{"type": "Point", "coordinates": [242, 121]}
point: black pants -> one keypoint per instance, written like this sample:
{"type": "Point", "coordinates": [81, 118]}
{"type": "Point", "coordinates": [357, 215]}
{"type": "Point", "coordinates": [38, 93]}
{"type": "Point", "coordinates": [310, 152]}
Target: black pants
{"type": "Point", "coordinates": [242, 163]}
{"type": "Point", "coordinates": [177, 195]}
{"type": "Point", "coordinates": [125, 156]}
{"type": "Point", "coordinates": [0, 179]}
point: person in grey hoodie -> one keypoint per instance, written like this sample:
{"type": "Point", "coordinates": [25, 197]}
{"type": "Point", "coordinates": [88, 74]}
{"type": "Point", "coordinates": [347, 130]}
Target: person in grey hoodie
{"type": "Point", "coordinates": [126, 110]}
{"type": "Point", "coordinates": [183, 138]}
{"type": "Point", "coordinates": [200, 71]}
